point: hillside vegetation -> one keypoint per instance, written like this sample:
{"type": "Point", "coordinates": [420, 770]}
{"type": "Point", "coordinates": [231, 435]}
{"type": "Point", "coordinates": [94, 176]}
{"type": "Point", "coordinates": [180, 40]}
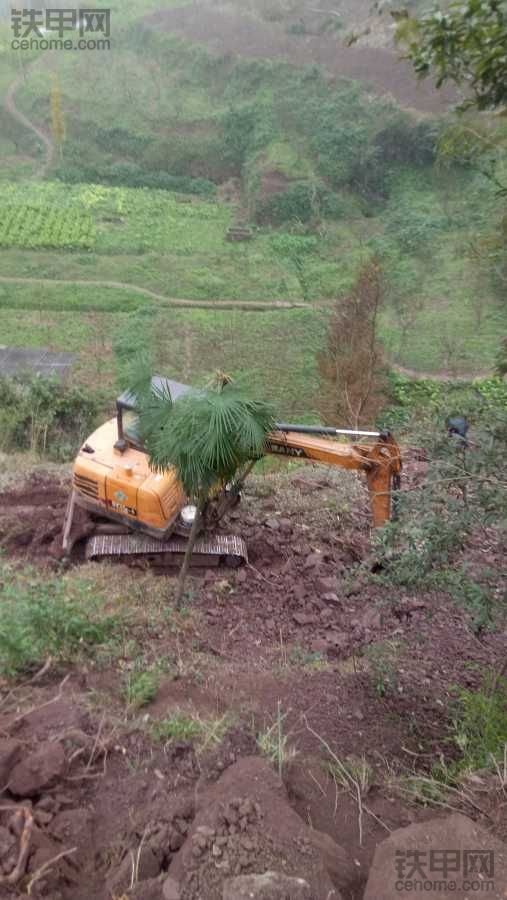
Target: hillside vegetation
{"type": "Point", "coordinates": [169, 143]}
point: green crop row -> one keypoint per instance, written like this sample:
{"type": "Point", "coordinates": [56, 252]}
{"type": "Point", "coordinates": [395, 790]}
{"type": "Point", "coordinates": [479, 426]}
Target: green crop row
{"type": "Point", "coordinates": [33, 227]}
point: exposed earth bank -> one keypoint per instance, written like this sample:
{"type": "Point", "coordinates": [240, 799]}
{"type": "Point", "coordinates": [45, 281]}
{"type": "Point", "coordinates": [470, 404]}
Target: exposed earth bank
{"type": "Point", "coordinates": [297, 668]}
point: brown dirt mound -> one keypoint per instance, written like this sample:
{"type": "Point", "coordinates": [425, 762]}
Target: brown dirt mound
{"type": "Point", "coordinates": [244, 824]}
{"type": "Point", "coordinates": [31, 518]}
{"type": "Point", "coordinates": [239, 34]}
{"type": "Point", "coordinates": [479, 862]}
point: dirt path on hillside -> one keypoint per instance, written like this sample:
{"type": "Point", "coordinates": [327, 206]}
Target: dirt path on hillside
{"type": "Point", "coordinates": [10, 106]}
{"type": "Point", "coordinates": [257, 306]}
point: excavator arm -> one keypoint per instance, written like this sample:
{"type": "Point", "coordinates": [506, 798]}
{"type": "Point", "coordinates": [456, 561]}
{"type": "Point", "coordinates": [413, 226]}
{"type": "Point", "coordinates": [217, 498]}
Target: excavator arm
{"type": "Point", "coordinates": [380, 462]}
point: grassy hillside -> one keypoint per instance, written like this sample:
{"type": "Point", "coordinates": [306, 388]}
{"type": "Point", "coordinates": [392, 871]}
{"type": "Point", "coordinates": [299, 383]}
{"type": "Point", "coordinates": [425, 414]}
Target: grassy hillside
{"type": "Point", "coordinates": [167, 146]}
{"type": "Point", "coordinates": [437, 315]}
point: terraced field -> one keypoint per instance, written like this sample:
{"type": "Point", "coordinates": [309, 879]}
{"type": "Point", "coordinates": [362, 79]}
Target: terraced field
{"type": "Point", "coordinates": [171, 251]}
{"type": "Point", "coordinates": [100, 267]}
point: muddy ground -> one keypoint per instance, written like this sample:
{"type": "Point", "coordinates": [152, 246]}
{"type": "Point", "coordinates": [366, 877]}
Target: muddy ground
{"type": "Point", "coordinates": [350, 667]}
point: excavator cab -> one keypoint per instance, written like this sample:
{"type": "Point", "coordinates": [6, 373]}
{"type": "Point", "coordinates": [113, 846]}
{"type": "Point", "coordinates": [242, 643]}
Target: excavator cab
{"type": "Point", "coordinates": [126, 412]}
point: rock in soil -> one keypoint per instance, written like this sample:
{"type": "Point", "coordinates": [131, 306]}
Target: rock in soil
{"type": "Point", "coordinates": [269, 886]}
{"type": "Point", "coordinates": [74, 828]}
{"type": "Point", "coordinates": [171, 889]}
{"type": "Point", "coordinates": [148, 868]}
{"type": "Point", "coordinates": [10, 753]}
{"type": "Point", "coordinates": [38, 771]}
{"type": "Point", "coordinates": [456, 856]}
{"type": "Point", "coordinates": [338, 863]}
{"type": "Point", "coordinates": [43, 849]}
{"type": "Point", "coordinates": [8, 850]}
{"type": "Point", "coordinates": [146, 890]}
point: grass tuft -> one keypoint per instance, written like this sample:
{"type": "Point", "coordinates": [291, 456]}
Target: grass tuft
{"type": "Point", "coordinates": [141, 688]}
{"type": "Point", "coordinates": [181, 726]}
{"type": "Point", "coordinates": [273, 742]}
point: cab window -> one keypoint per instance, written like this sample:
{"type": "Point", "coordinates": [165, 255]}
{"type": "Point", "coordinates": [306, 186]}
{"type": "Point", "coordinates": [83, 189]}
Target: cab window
{"type": "Point", "coordinates": [131, 426]}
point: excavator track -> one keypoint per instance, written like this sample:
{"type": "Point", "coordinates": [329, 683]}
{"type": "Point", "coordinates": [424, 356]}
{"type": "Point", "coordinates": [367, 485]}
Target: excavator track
{"type": "Point", "coordinates": [141, 550]}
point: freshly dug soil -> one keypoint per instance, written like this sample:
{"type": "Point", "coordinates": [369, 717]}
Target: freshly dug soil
{"type": "Point", "coordinates": [31, 518]}
{"type": "Point", "coordinates": [347, 667]}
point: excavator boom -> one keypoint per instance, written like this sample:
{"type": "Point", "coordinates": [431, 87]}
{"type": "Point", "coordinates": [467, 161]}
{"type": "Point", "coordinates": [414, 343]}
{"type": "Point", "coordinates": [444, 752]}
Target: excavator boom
{"type": "Point", "coordinates": [381, 462]}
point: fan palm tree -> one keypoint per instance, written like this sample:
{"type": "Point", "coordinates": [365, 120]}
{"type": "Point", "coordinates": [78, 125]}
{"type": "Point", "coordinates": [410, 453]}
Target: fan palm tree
{"type": "Point", "coordinates": [207, 436]}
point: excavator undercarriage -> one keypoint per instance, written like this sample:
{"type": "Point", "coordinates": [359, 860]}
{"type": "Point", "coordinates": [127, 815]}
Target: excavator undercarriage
{"type": "Point", "coordinates": [90, 535]}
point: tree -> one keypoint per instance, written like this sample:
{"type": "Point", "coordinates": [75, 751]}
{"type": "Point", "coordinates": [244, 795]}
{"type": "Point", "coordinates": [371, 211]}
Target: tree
{"type": "Point", "coordinates": [351, 366]}
{"type": "Point", "coordinates": [57, 119]}
{"type": "Point", "coordinates": [206, 436]}
{"type": "Point", "coordinates": [238, 125]}
{"type": "Point", "coordinates": [466, 43]}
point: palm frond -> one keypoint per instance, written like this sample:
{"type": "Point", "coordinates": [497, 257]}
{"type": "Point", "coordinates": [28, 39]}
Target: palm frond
{"type": "Point", "coordinates": [154, 412]}
{"type": "Point", "coordinates": [139, 377]}
{"type": "Point", "coordinates": [209, 435]}
{"type": "Point", "coordinates": [153, 402]}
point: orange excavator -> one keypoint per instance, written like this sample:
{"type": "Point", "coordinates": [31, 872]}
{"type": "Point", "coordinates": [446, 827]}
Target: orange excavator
{"type": "Point", "coordinates": [120, 509]}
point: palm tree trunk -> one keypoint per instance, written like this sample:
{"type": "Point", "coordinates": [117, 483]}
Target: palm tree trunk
{"type": "Point", "coordinates": [182, 577]}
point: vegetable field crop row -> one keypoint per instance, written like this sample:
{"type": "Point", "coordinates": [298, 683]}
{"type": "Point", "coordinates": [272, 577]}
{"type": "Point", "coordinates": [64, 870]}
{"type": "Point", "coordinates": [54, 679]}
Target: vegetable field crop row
{"type": "Point", "coordinates": [31, 227]}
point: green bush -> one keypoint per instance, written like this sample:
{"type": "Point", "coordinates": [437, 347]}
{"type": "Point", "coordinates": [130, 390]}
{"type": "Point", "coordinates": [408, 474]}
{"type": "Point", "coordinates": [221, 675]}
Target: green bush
{"type": "Point", "coordinates": [119, 141]}
{"type": "Point", "coordinates": [476, 596]}
{"type": "Point", "coordinates": [132, 175]}
{"type": "Point", "coordinates": [462, 490]}
{"type": "Point", "coordinates": [339, 206]}
{"type": "Point", "coordinates": [501, 359]}
{"type": "Point", "coordinates": [295, 251]}
{"type": "Point", "coordinates": [414, 221]}
{"type": "Point", "coordinates": [239, 125]}
{"type": "Point", "coordinates": [178, 727]}
{"type": "Point", "coordinates": [45, 415]}
{"type": "Point", "coordinates": [405, 141]}
{"type": "Point", "coordinates": [480, 724]}
{"type": "Point", "coordinates": [302, 202]}
{"type": "Point", "coordinates": [298, 202]}
{"type": "Point", "coordinates": [44, 617]}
